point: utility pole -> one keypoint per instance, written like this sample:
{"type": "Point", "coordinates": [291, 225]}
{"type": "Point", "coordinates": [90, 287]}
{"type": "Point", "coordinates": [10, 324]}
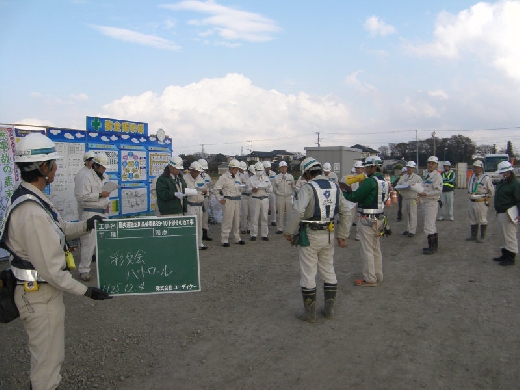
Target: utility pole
{"type": "Point", "coordinates": [318, 142]}
{"type": "Point", "coordinates": [434, 146]}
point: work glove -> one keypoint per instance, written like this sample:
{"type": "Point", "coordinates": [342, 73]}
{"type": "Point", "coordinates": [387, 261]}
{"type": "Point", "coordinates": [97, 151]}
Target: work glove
{"type": "Point", "coordinates": [179, 195]}
{"type": "Point", "coordinates": [345, 187]}
{"type": "Point", "coordinates": [295, 240]}
{"type": "Point", "coordinates": [91, 221]}
{"type": "Point", "coordinates": [97, 294]}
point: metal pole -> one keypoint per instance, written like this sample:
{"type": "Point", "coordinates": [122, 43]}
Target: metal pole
{"type": "Point", "coordinates": [417, 148]}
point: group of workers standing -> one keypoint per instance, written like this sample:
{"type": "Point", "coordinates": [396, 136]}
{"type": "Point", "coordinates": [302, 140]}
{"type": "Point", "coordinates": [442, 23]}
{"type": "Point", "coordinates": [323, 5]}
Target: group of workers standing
{"type": "Point", "coordinates": [314, 213]}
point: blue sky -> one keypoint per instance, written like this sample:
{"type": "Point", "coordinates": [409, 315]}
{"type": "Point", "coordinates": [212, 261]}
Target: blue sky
{"type": "Point", "coordinates": [239, 75]}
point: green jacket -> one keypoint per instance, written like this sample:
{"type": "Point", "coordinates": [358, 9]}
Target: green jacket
{"type": "Point", "coordinates": [366, 194]}
{"type": "Point", "coordinates": [507, 194]}
{"type": "Point", "coordinates": [167, 202]}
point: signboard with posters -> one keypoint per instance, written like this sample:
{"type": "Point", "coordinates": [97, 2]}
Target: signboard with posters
{"type": "Point", "coordinates": [9, 176]}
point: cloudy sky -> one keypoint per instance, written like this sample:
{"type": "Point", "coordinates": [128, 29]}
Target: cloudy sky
{"type": "Point", "coordinates": [262, 75]}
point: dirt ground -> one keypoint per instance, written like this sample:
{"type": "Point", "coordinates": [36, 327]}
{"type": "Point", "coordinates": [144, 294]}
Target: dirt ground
{"type": "Point", "coordinates": [446, 321]}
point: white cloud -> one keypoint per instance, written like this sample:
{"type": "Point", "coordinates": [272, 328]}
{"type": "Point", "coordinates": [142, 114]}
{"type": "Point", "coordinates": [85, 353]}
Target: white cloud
{"type": "Point", "coordinates": [438, 93]}
{"type": "Point", "coordinates": [353, 81]}
{"type": "Point", "coordinates": [378, 27]}
{"type": "Point", "coordinates": [69, 136]}
{"type": "Point", "coordinates": [123, 34]}
{"type": "Point", "coordinates": [490, 31]}
{"type": "Point", "coordinates": [230, 111]}
{"type": "Point", "coordinates": [229, 23]}
{"type": "Point", "coordinates": [79, 97]}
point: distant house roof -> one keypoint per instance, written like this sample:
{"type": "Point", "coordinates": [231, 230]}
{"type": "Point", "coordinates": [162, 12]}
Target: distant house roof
{"type": "Point", "coordinates": [282, 152]}
{"type": "Point", "coordinates": [365, 149]}
{"type": "Point", "coordinates": [258, 154]}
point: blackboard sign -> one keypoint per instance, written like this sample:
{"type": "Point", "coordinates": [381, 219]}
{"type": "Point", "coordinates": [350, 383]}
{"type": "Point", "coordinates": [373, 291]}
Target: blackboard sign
{"type": "Point", "coordinates": [148, 255]}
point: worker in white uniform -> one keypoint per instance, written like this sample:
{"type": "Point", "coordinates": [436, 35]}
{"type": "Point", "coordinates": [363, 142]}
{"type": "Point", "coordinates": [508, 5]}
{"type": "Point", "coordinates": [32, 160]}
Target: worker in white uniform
{"type": "Point", "coordinates": [35, 235]}
{"type": "Point", "coordinates": [205, 212]}
{"type": "Point", "coordinates": [327, 172]}
{"type": "Point", "coordinates": [284, 186]}
{"type": "Point", "coordinates": [272, 197]}
{"type": "Point", "coordinates": [311, 226]}
{"type": "Point", "coordinates": [195, 203]}
{"type": "Point", "coordinates": [246, 196]}
{"type": "Point", "coordinates": [245, 204]}
{"type": "Point", "coordinates": [228, 191]}
{"type": "Point", "coordinates": [409, 208]}
{"type": "Point", "coordinates": [430, 204]}
{"type": "Point", "coordinates": [88, 160]}
{"type": "Point", "coordinates": [94, 201]}
{"type": "Point", "coordinates": [260, 187]}
{"type": "Point", "coordinates": [481, 190]}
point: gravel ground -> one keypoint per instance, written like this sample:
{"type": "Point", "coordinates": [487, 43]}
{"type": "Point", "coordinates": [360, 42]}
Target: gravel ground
{"type": "Point", "coordinates": [446, 321]}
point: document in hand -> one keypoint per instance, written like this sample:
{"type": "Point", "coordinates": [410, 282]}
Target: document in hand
{"type": "Point", "coordinates": [513, 213]}
{"type": "Point", "coordinates": [110, 186]}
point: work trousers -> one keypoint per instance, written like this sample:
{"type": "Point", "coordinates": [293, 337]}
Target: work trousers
{"type": "Point", "coordinates": [319, 255]}
{"type": "Point", "coordinates": [370, 248]}
{"type": "Point", "coordinates": [43, 316]}
{"type": "Point", "coordinates": [283, 206]}
{"type": "Point", "coordinates": [205, 214]}
{"type": "Point", "coordinates": [446, 211]}
{"type": "Point", "coordinates": [259, 211]}
{"type": "Point", "coordinates": [477, 213]}
{"type": "Point", "coordinates": [197, 212]}
{"type": "Point", "coordinates": [88, 245]}
{"type": "Point", "coordinates": [230, 220]}
{"type": "Point", "coordinates": [244, 212]}
{"type": "Point", "coordinates": [409, 214]}
{"type": "Point", "coordinates": [430, 209]}
{"type": "Point", "coordinates": [272, 206]}
{"type": "Point", "coordinates": [507, 232]}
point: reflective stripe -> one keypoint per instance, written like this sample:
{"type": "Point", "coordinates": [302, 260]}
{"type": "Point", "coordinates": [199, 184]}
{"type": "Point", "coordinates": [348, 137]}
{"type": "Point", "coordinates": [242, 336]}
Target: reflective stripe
{"type": "Point", "coordinates": [26, 275]}
{"type": "Point", "coordinates": [370, 211]}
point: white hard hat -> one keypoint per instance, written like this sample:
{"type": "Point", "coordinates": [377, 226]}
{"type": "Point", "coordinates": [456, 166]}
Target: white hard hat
{"type": "Point", "coordinates": [243, 165]}
{"type": "Point", "coordinates": [252, 168]}
{"type": "Point", "coordinates": [259, 166]}
{"type": "Point", "coordinates": [234, 163]}
{"type": "Point", "coordinates": [35, 147]}
{"type": "Point", "coordinates": [446, 163]}
{"type": "Point", "coordinates": [101, 159]}
{"type": "Point", "coordinates": [478, 163]}
{"type": "Point", "coordinates": [88, 155]}
{"type": "Point", "coordinates": [176, 162]}
{"type": "Point", "coordinates": [403, 169]}
{"type": "Point", "coordinates": [353, 170]}
{"type": "Point", "coordinates": [282, 164]}
{"type": "Point", "coordinates": [203, 163]}
{"type": "Point", "coordinates": [373, 161]}
{"type": "Point", "coordinates": [309, 163]}
{"type": "Point", "coordinates": [411, 164]}
{"type": "Point", "coordinates": [358, 164]}
{"type": "Point", "coordinates": [504, 166]}
{"type": "Point", "coordinates": [433, 159]}
{"type": "Point", "coordinates": [327, 167]}
{"type": "Point", "coordinates": [267, 164]}
{"type": "Point", "coordinates": [195, 165]}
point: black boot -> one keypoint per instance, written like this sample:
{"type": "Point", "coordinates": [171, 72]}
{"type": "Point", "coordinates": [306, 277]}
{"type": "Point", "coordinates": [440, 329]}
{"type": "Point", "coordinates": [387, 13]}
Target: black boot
{"type": "Point", "coordinates": [503, 250]}
{"type": "Point", "coordinates": [482, 233]}
{"type": "Point", "coordinates": [474, 232]}
{"type": "Point", "coordinates": [431, 245]}
{"type": "Point", "coordinates": [330, 299]}
{"type": "Point", "coordinates": [205, 236]}
{"type": "Point", "coordinates": [309, 303]}
{"type": "Point", "coordinates": [436, 241]}
{"type": "Point", "coordinates": [509, 258]}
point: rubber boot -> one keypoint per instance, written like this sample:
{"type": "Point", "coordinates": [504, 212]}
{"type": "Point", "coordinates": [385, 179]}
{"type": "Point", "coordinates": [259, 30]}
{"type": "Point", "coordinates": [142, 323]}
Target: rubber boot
{"type": "Point", "coordinates": [509, 258]}
{"type": "Point", "coordinates": [205, 236]}
{"type": "Point", "coordinates": [428, 247]}
{"type": "Point", "coordinates": [309, 304]}
{"type": "Point", "coordinates": [436, 241]}
{"type": "Point", "coordinates": [503, 250]}
{"type": "Point", "coordinates": [482, 233]}
{"type": "Point", "coordinates": [330, 299]}
{"type": "Point", "coordinates": [431, 245]}
{"type": "Point", "coordinates": [474, 232]}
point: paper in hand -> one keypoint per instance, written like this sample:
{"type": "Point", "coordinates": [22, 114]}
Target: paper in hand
{"type": "Point", "coordinates": [110, 186]}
